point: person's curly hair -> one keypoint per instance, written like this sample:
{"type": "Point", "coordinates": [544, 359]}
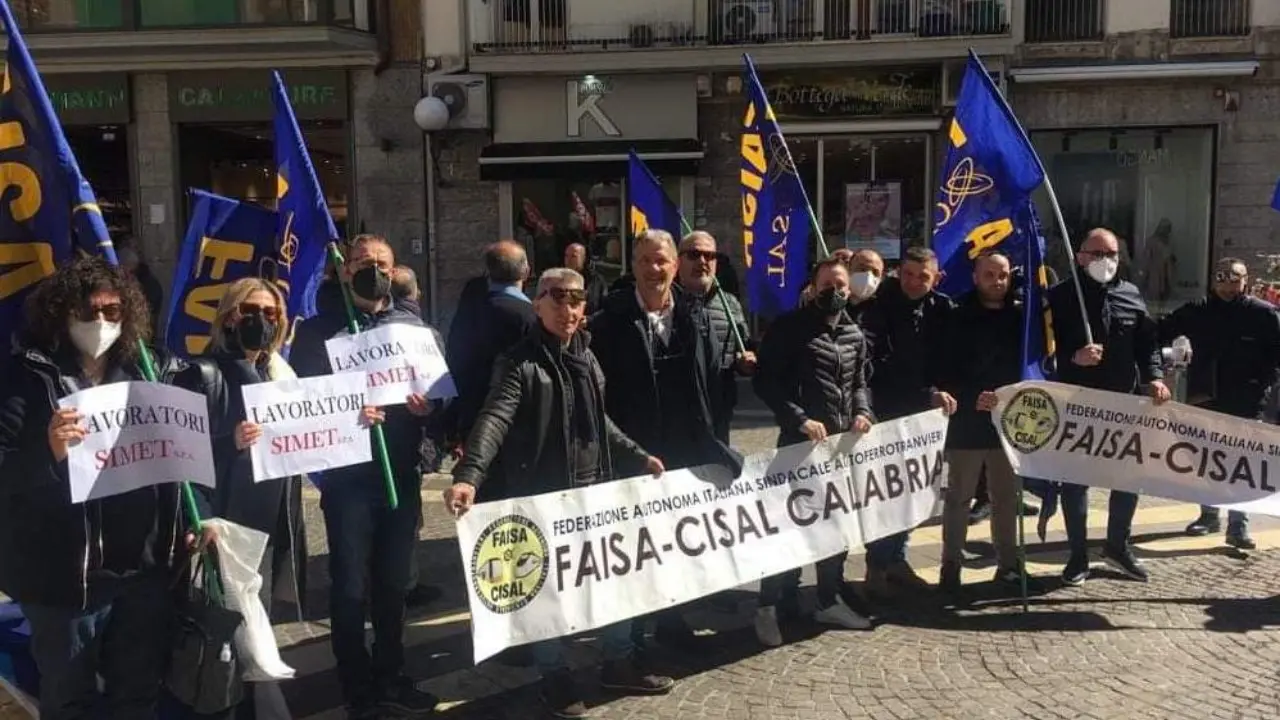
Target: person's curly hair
{"type": "Point", "coordinates": [61, 297]}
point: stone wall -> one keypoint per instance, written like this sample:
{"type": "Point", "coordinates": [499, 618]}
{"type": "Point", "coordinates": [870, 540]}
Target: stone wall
{"type": "Point", "coordinates": [466, 215]}
{"type": "Point", "coordinates": [155, 172]}
{"type": "Point", "coordinates": [718, 197]}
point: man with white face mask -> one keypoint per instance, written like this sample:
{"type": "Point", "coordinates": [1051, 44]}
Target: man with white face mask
{"type": "Point", "coordinates": [866, 270]}
{"type": "Point", "coordinates": [1124, 357]}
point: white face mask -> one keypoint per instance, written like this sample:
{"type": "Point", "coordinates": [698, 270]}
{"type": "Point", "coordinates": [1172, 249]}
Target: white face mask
{"type": "Point", "coordinates": [863, 284]}
{"type": "Point", "coordinates": [1103, 269]}
{"type": "Point", "coordinates": [94, 338]}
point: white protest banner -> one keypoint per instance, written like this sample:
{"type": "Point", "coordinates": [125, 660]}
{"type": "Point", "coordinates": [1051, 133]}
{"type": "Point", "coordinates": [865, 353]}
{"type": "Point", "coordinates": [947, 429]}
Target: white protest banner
{"type": "Point", "coordinates": [1126, 442]}
{"type": "Point", "coordinates": [400, 360]}
{"type": "Point", "coordinates": [562, 563]}
{"type": "Point", "coordinates": [308, 424]}
{"type": "Point", "coordinates": [138, 434]}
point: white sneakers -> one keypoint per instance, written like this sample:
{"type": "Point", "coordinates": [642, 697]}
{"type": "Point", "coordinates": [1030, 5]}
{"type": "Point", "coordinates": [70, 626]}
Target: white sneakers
{"type": "Point", "coordinates": [839, 615]}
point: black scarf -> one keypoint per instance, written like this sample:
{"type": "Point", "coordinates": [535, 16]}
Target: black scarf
{"type": "Point", "coordinates": [582, 386]}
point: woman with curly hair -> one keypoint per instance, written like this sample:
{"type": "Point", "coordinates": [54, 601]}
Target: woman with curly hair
{"type": "Point", "coordinates": [92, 578]}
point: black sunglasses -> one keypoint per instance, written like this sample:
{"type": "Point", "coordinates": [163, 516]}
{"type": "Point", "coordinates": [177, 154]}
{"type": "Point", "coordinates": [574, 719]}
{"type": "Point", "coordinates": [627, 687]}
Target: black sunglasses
{"type": "Point", "coordinates": [567, 296]}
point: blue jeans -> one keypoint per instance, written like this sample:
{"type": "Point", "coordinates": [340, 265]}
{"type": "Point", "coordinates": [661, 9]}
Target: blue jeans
{"type": "Point", "coordinates": [548, 655]}
{"type": "Point", "coordinates": [1237, 521]}
{"type": "Point", "coordinates": [125, 640]}
{"type": "Point", "coordinates": [368, 539]}
{"type": "Point", "coordinates": [888, 551]}
{"type": "Point", "coordinates": [1121, 507]}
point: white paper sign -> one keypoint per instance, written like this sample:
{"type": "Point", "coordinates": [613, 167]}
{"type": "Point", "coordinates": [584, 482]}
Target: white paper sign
{"type": "Point", "coordinates": [138, 434]}
{"type": "Point", "coordinates": [400, 360]}
{"type": "Point", "coordinates": [308, 424]}
{"type": "Point", "coordinates": [566, 562]}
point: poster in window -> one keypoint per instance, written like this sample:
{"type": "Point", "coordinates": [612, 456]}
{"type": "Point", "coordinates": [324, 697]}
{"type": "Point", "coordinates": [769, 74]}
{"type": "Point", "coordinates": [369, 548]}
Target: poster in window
{"type": "Point", "coordinates": [873, 218]}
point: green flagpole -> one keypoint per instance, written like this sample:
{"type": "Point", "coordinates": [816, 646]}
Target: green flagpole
{"type": "Point", "coordinates": [148, 364]}
{"type": "Point", "coordinates": [379, 437]}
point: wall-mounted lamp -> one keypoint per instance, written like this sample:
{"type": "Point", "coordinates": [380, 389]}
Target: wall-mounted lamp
{"type": "Point", "coordinates": [431, 114]}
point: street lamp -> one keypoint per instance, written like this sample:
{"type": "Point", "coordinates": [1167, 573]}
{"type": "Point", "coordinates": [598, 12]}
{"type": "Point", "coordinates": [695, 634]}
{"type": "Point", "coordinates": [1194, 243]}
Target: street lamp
{"type": "Point", "coordinates": [431, 114]}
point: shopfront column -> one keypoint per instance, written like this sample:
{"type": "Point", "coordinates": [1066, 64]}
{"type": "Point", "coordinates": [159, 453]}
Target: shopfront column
{"type": "Point", "coordinates": [155, 210]}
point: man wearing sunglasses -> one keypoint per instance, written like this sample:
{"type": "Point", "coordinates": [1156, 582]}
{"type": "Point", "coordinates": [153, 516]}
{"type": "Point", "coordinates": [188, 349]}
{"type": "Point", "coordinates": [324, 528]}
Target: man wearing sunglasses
{"type": "Point", "coordinates": [1124, 357]}
{"type": "Point", "coordinates": [1235, 343]}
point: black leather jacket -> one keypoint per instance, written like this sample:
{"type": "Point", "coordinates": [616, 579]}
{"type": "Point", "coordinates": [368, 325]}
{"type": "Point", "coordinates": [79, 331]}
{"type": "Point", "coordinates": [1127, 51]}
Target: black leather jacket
{"type": "Point", "coordinates": [811, 370]}
{"type": "Point", "coordinates": [51, 551]}
{"type": "Point", "coordinates": [522, 432]}
{"type": "Point", "coordinates": [1120, 323]}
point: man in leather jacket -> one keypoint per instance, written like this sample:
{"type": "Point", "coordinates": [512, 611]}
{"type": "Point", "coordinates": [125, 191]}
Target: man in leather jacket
{"type": "Point", "coordinates": [1125, 358]}
{"type": "Point", "coordinates": [545, 418]}
{"type": "Point", "coordinates": [1235, 344]}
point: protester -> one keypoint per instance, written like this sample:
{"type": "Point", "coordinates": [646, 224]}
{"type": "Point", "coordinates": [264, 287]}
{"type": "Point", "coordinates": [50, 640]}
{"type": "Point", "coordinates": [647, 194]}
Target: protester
{"type": "Point", "coordinates": [983, 337]}
{"type": "Point", "coordinates": [576, 258]}
{"type": "Point", "coordinates": [133, 267]}
{"type": "Point", "coordinates": [404, 289]}
{"type": "Point", "coordinates": [97, 573]}
{"type": "Point", "coordinates": [248, 332]}
{"type": "Point", "coordinates": [905, 324]}
{"type": "Point", "coordinates": [366, 537]}
{"type": "Point", "coordinates": [1235, 360]}
{"type": "Point", "coordinates": [546, 421]}
{"type": "Point", "coordinates": [658, 362]}
{"type": "Point", "coordinates": [473, 294]}
{"type": "Point", "coordinates": [726, 323]}
{"type": "Point", "coordinates": [812, 376]}
{"type": "Point", "coordinates": [1125, 358]}
{"type": "Point", "coordinates": [866, 270]}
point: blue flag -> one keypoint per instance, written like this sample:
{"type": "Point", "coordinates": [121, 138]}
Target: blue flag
{"type": "Point", "coordinates": [49, 209]}
{"type": "Point", "coordinates": [227, 240]}
{"type": "Point", "coordinates": [1275, 198]}
{"type": "Point", "coordinates": [1037, 333]}
{"type": "Point", "coordinates": [988, 177]}
{"type": "Point", "coordinates": [775, 209]}
{"type": "Point", "coordinates": [649, 206]}
{"type": "Point", "coordinates": [306, 226]}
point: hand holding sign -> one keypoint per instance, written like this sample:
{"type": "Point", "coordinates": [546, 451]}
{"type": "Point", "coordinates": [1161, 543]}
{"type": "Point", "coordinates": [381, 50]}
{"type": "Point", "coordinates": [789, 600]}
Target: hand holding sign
{"type": "Point", "coordinates": [247, 434]}
{"type": "Point", "coordinates": [64, 431]}
{"type": "Point", "coordinates": [418, 405]}
{"type": "Point", "coordinates": [370, 416]}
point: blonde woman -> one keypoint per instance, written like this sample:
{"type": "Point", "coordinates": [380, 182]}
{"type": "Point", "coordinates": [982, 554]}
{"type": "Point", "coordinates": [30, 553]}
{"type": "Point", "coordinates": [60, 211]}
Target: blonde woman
{"type": "Point", "coordinates": [249, 329]}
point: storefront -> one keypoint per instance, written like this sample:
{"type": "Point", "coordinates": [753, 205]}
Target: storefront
{"type": "Point", "coordinates": [559, 156]}
{"type": "Point", "coordinates": [225, 140]}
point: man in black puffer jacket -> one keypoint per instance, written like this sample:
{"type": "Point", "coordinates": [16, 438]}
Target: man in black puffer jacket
{"type": "Point", "coordinates": [812, 375]}
{"type": "Point", "coordinates": [366, 537]}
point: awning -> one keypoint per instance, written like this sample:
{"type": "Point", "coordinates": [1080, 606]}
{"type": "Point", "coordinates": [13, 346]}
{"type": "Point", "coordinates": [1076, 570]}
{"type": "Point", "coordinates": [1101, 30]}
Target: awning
{"type": "Point", "coordinates": [605, 159]}
{"type": "Point", "coordinates": [1134, 71]}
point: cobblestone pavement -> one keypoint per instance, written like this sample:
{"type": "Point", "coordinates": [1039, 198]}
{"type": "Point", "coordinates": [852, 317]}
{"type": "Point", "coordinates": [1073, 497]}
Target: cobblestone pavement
{"type": "Point", "coordinates": [1196, 642]}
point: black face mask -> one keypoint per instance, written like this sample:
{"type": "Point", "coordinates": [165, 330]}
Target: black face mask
{"type": "Point", "coordinates": [830, 302]}
{"type": "Point", "coordinates": [371, 283]}
{"type": "Point", "coordinates": [253, 333]}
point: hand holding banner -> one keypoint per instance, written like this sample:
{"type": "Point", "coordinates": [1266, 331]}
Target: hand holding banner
{"type": "Point", "coordinates": [400, 360]}
{"type": "Point", "coordinates": [308, 424]}
{"type": "Point", "coordinates": [138, 434]}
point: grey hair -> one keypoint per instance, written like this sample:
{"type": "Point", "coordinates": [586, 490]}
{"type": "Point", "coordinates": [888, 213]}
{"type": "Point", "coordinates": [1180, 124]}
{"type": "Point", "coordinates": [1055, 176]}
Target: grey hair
{"type": "Point", "coordinates": [697, 235]}
{"type": "Point", "coordinates": [654, 235]}
{"type": "Point", "coordinates": [506, 267]}
{"type": "Point", "coordinates": [559, 277]}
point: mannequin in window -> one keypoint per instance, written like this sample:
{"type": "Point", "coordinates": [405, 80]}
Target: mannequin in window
{"type": "Point", "coordinates": [1157, 264]}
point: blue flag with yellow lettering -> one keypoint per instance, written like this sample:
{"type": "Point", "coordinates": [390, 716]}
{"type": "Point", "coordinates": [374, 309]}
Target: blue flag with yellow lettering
{"type": "Point", "coordinates": [1037, 334]}
{"type": "Point", "coordinates": [49, 208]}
{"type": "Point", "coordinates": [988, 177]}
{"type": "Point", "coordinates": [306, 226]}
{"type": "Point", "coordinates": [775, 209]}
{"type": "Point", "coordinates": [227, 240]}
{"type": "Point", "coordinates": [649, 206]}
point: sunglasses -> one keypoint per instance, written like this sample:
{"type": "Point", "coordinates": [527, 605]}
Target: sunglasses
{"type": "Point", "coordinates": [1224, 277]}
{"type": "Point", "coordinates": [567, 296]}
{"type": "Point", "coordinates": [696, 255]}
{"type": "Point", "coordinates": [1103, 254]}
{"type": "Point", "coordinates": [111, 312]}
{"type": "Point", "coordinates": [269, 313]}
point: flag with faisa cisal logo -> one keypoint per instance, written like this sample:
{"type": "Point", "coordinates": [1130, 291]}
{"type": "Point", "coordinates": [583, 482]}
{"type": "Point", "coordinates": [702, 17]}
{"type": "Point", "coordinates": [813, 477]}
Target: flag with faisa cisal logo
{"type": "Point", "coordinates": [563, 563]}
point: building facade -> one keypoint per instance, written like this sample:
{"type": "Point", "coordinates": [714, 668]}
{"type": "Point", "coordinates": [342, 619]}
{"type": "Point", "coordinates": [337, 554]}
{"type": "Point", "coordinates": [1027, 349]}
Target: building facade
{"type": "Point", "coordinates": [186, 104]}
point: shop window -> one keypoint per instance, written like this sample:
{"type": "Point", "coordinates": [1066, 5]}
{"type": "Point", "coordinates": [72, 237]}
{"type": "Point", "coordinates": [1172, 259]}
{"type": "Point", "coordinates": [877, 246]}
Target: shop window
{"type": "Point", "coordinates": [39, 15]}
{"type": "Point", "coordinates": [1152, 187]}
{"type": "Point", "coordinates": [102, 152]}
{"type": "Point", "coordinates": [549, 215]}
{"type": "Point", "coordinates": [195, 13]}
{"type": "Point", "coordinates": [239, 161]}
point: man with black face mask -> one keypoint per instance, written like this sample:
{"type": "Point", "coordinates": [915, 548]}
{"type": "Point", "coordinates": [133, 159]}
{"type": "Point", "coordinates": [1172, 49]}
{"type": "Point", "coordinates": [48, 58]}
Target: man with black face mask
{"type": "Point", "coordinates": [367, 538]}
{"type": "Point", "coordinates": [1125, 358]}
{"type": "Point", "coordinates": [812, 376]}
{"type": "Point", "coordinates": [1235, 344]}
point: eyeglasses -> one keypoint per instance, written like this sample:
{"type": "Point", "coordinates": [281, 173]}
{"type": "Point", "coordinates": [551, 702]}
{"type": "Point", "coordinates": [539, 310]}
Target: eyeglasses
{"type": "Point", "coordinates": [696, 255]}
{"type": "Point", "coordinates": [566, 296]}
{"type": "Point", "coordinates": [1227, 277]}
{"type": "Point", "coordinates": [1103, 254]}
{"type": "Point", "coordinates": [111, 312]}
{"type": "Point", "coordinates": [269, 313]}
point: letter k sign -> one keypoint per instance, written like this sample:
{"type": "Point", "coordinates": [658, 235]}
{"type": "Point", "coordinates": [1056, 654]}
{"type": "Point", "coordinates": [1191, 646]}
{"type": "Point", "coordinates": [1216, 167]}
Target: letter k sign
{"type": "Point", "coordinates": [578, 104]}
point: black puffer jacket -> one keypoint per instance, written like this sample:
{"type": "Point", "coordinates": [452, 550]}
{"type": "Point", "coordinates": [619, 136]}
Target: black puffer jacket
{"type": "Point", "coordinates": [812, 370]}
{"type": "Point", "coordinates": [521, 437]}
{"type": "Point", "coordinates": [904, 336]}
{"type": "Point", "coordinates": [983, 348]}
{"type": "Point", "coordinates": [51, 551]}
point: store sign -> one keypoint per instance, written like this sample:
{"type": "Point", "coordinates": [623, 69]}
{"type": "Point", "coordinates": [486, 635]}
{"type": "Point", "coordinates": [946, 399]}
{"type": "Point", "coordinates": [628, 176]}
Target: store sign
{"type": "Point", "coordinates": [245, 96]}
{"type": "Point", "coordinates": [595, 108]}
{"type": "Point", "coordinates": [89, 99]}
{"type": "Point", "coordinates": [830, 94]}
{"type": "Point", "coordinates": [583, 101]}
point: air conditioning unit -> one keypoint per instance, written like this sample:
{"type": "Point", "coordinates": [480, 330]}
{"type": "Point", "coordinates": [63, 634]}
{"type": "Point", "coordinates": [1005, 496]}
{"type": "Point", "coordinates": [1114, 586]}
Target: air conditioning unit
{"type": "Point", "coordinates": [467, 97]}
{"type": "Point", "coordinates": [953, 75]}
{"type": "Point", "coordinates": [741, 20]}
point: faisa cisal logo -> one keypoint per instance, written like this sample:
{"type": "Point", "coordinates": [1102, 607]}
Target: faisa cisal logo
{"type": "Point", "coordinates": [509, 564]}
{"type": "Point", "coordinates": [1030, 420]}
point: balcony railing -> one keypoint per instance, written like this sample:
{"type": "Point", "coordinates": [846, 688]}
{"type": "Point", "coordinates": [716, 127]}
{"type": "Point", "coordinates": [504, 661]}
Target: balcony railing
{"type": "Point", "coordinates": [1209, 18]}
{"type": "Point", "coordinates": [519, 26]}
{"type": "Point", "coordinates": [1054, 21]}
{"type": "Point", "coordinates": [66, 15]}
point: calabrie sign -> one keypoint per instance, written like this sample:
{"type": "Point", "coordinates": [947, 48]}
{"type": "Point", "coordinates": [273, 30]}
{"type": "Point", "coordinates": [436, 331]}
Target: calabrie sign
{"type": "Point", "coordinates": [399, 360]}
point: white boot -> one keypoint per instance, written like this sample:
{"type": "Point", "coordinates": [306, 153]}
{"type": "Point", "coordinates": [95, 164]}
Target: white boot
{"type": "Point", "coordinates": [839, 615]}
{"type": "Point", "coordinates": [767, 631]}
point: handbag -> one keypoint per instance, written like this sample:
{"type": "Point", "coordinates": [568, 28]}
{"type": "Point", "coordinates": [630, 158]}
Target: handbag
{"type": "Point", "coordinates": [204, 670]}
